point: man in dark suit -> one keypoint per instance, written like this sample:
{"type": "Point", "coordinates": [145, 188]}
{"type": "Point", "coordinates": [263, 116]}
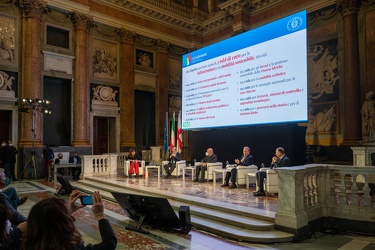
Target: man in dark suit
{"type": "Point", "coordinates": [9, 198]}
{"type": "Point", "coordinates": [173, 158]}
{"type": "Point", "coordinates": [8, 158]}
{"type": "Point", "coordinates": [245, 160]}
{"type": "Point", "coordinates": [278, 161]}
{"type": "Point", "coordinates": [76, 160]}
{"type": "Point", "coordinates": [201, 167]}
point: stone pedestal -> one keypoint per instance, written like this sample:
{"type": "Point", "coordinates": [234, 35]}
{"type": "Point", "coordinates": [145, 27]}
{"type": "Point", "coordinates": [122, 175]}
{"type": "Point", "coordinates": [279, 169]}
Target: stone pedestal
{"type": "Point", "coordinates": [362, 155]}
{"type": "Point", "coordinates": [155, 152]}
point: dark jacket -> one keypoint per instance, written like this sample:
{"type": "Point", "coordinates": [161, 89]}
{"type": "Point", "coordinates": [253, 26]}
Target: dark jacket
{"type": "Point", "coordinates": [8, 155]}
{"type": "Point", "coordinates": [173, 159]}
{"type": "Point", "coordinates": [109, 240]}
{"type": "Point", "coordinates": [17, 217]}
{"type": "Point", "coordinates": [48, 154]}
{"type": "Point", "coordinates": [12, 241]}
{"type": "Point", "coordinates": [281, 162]}
{"type": "Point", "coordinates": [247, 161]}
{"type": "Point", "coordinates": [210, 159]}
{"type": "Point", "coordinates": [135, 157]}
{"type": "Point", "coordinates": [71, 159]}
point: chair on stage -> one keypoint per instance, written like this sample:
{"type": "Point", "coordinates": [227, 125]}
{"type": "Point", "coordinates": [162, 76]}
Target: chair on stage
{"type": "Point", "coordinates": [242, 172]}
{"type": "Point", "coordinates": [271, 183]}
{"type": "Point", "coordinates": [210, 168]}
{"type": "Point", "coordinates": [142, 168]}
{"type": "Point", "coordinates": [180, 165]}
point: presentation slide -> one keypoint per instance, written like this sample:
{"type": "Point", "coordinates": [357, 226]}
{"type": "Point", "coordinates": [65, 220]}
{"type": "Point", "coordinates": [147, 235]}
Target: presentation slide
{"type": "Point", "coordinates": [258, 77]}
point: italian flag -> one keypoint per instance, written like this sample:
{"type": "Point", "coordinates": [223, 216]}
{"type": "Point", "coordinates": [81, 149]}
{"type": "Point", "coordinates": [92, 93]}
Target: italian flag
{"type": "Point", "coordinates": [179, 134]}
{"type": "Point", "coordinates": [172, 142]}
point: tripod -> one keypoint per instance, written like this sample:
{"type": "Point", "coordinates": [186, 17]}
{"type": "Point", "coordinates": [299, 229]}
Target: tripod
{"type": "Point", "coordinates": [30, 164]}
{"type": "Point", "coordinates": [32, 161]}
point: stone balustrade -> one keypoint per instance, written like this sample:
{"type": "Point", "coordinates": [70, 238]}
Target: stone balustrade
{"type": "Point", "coordinates": [99, 165]}
{"type": "Point", "coordinates": [309, 195]}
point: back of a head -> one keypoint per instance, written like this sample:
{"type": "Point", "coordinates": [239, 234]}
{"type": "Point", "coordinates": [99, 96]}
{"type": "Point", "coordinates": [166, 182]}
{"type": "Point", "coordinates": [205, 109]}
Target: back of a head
{"type": "Point", "coordinates": [50, 226]}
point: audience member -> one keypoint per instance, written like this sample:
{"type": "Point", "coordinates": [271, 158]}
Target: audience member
{"type": "Point", "coordinates": [75, 159]}
{"type": "Point", "coordinates": [9, 198]}
{"type": "Point", "coordinates": [246, 160]}
{"type": "Point", "coordinates": [51, 226]}
{"type": "Point", "coordinates": [8, 158]}
{"type": "Point", "coordinates": [278, 161]}
{"type": "Point", "coordinates": [48, 159]}
{"type": "Point", "coordinates": [2, 149]}
{"type": "Point", "coordinates": [58, 159]}
{"type": "Point", "coordinates": [201, 167]}
{"type": "Point", "coordinates": [173, 158]}
{"type": "Point", "coordinates": [11, 236]}
{"type": "Point", "coordinates": [134, 160]}
{"type": "Point", "coordinates": [57, 162]}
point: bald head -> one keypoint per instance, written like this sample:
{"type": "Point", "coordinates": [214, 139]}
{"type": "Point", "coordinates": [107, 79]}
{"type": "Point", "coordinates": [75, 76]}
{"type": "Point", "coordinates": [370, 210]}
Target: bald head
{"type": "Point", "coordinates": [210, 151]}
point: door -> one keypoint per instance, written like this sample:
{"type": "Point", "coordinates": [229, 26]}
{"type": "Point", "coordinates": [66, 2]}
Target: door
{"type": "Point", "coordinates": [5, 122]}
{"type": "Point", "coordinates": [101, 140]}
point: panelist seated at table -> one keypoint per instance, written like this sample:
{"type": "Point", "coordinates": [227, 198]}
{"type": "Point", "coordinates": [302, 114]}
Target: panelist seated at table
{"type": "Point", "coordinates": [75, 159]}
{"type": "Point", "coordinates": [58, 160]}
{"type": "Point", "coordinates": [278, 161]}
{"type": "Point", "coordinates": [135, 161]}
{"type": "Point", "coordinates": [173, 158]}
{"type": "Point", "coordinates": [201, 167]}
{"type": "Point", "coordinates": [246, 160]}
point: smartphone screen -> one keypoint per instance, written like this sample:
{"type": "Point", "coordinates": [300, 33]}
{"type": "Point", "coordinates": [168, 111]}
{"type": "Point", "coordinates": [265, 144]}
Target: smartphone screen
{"type": "Point", "coordinates": [86, 200]}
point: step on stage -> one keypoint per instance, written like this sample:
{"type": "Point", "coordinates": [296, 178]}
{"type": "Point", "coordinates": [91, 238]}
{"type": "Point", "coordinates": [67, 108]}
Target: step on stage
{"type": "Point", "coordinates": [233, 213]}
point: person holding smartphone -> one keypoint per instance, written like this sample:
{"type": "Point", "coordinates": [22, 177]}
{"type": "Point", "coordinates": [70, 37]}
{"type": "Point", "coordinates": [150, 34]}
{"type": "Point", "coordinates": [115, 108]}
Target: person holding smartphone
{"type": "Point", "coordinates": [52, 213]}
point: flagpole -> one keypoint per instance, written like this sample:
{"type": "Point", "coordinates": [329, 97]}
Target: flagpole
{"type": "Point", "coordinates": [166, 133]}
{"type": "Point", "coordinates": [179, 134]}
{"type": "Point", "coordinates": [172, 142]}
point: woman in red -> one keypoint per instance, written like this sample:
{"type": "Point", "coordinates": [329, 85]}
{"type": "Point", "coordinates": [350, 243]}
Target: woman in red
{"type": "Point", "coordinates": [134, 160]}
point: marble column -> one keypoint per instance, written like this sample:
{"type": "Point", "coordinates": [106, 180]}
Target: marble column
{"type": "Point", "coordinates": [127, 88]}
{"type": "Point", "coordinates": [162, 89]}
{"type": "Point", "coordinates": [82, 24]}
{"type": "Point", "coordinates": [352, 121]}
{"type": "Point", "coordinates": [31, 80]}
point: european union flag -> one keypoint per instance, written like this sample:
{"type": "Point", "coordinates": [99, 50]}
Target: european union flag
{"type": "Point", "coordinates": [166, 141]}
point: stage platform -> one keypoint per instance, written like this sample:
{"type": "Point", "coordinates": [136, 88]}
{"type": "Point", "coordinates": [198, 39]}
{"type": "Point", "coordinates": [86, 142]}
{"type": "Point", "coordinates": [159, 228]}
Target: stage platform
{"type": "Point", "coordinates": [232, 213]}
{"type": "Point", "coordinates": [197, 238]}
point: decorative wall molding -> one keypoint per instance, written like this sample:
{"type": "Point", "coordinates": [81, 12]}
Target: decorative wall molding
{"type": "Point", "coordinates": [58, 62]}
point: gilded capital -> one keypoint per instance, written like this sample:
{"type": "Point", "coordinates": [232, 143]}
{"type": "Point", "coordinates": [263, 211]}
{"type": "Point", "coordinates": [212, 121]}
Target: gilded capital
{"type": "Point", "coordinates": [81, 21]}
{"type": "Point", "coordinates": [32, 8]}
{"type": "Point", "coordinates": [127, 36]}
{"type": "Point", "coordinates": [162, 46]}
{"type": "Point", "coordinates": [348, 7]}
